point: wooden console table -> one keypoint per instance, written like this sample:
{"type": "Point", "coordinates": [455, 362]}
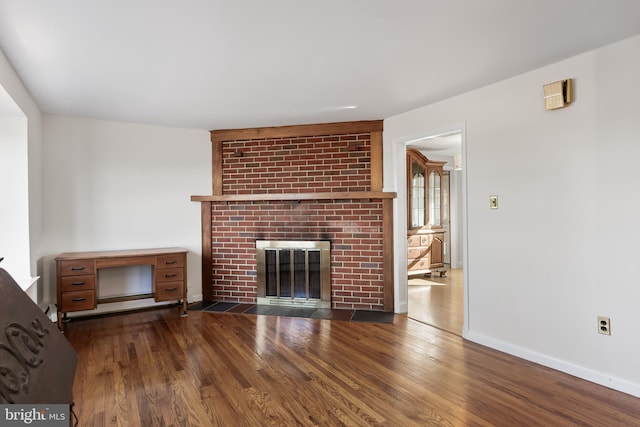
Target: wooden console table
{"type": "Point", "coordinates": [77, 277]}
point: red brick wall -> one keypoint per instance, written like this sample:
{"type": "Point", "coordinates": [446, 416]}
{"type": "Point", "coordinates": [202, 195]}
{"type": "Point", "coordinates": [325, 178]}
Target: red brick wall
{"type": "Point", "coordinates": [299, 165]}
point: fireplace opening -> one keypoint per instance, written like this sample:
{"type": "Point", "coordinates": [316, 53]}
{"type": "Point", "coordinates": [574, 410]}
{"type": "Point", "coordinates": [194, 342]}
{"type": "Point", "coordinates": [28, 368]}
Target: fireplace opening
{"type": "Point", "coordinates": [295, 273]}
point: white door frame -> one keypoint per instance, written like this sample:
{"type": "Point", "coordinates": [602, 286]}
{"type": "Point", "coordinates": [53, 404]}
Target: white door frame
{"type": "Point", "coordinates": [400, 221]}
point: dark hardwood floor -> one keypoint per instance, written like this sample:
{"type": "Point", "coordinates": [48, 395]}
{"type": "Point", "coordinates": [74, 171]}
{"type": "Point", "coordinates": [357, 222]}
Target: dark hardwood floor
{"type": "Point", "coordinates": [154, 368]}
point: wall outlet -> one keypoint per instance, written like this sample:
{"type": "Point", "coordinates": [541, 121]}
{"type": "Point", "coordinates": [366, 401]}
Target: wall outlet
{"type": "Point", "coordinates": [604, 325]}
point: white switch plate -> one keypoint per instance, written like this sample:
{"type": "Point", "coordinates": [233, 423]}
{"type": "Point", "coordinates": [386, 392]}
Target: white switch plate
{"type": "Point", "coordinates": [493, 202]}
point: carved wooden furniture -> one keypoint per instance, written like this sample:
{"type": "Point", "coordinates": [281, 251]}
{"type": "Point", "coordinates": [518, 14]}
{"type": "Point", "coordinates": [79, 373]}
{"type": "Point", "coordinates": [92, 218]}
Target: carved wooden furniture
{"type": "Point", "coordinates": [77, 277]}
{"type": "Point", "coordinates": [37, 363]}
{"type": "Point", "coordinates": [425, 233]}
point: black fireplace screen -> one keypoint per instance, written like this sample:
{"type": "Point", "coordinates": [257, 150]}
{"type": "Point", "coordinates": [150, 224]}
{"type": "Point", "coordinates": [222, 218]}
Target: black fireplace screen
{"type": "Point", "coordinates": [297, 271]}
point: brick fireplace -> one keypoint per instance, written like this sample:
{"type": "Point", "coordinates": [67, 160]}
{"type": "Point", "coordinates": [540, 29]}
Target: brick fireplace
{"type": "Point", "coordinates": [300, 183]}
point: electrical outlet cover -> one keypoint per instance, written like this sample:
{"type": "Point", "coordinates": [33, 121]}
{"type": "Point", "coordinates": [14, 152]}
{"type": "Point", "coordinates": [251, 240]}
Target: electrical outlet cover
{"type": "Point", "coordinates": [604, 325]}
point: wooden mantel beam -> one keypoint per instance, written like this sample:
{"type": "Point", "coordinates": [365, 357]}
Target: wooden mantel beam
{"type": "Point", "coordinates": [333, 195]}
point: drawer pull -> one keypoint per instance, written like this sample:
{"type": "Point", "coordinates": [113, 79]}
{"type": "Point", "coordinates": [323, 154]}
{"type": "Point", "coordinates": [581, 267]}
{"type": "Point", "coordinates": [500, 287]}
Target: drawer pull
{"type": "Point", "coordinates": [77, 283]}
{"type": "Point", "coordinates": [168, 276]}
{"type": "Point", "coordinates": [77, 268]}
{"type": "Point", "coordinates": [170, 262]}
{"type": "Point", "coordinates": [78, 299]}
{"type": "Point", "coordinates": [171, 289]}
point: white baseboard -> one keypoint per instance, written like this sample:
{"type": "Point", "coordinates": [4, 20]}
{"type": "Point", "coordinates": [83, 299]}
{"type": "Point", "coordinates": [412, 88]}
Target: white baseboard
{"type": "Point", "coordinates": [120, 307]}
{"type": "Point", "coordinates": [403, 307]}
{"type": "Point", "coordinates": [557, 364]}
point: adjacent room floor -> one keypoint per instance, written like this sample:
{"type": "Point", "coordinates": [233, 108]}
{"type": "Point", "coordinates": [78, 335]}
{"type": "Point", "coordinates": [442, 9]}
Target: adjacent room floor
{"type": "Point", "coordinates": [438, 301]}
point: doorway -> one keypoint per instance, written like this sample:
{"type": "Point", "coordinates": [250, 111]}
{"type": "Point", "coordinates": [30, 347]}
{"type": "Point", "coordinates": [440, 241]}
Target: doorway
{"type": "Point", "coordinates": [438, 299]}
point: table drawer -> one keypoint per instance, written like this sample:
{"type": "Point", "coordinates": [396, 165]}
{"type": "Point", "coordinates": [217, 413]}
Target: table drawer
{"type": "Point", "coordinates": [417, 252]}
{"type": "Point", "coordinates": [168, 291]}
{"type": "Point", "coordinates": [75, 267]}
{"type": "Point", "coordinates": [413, 241]}
{"type": "Point", "coordinates": [78, 300]}
{"type": "Point", "coordinates": [169, 275]}
{"type": "Point", "coordinates": [78, 283]}
{"type": "Point", "coordinates": [170, 261]}
{"type": "Point", "coordinates": [419, 264]}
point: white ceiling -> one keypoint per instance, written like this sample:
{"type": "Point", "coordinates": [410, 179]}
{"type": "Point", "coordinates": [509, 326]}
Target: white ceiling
{"type": "Point", "coordinates": [446, 145]}
{"type": "Point", "coordinates": [214, 64]}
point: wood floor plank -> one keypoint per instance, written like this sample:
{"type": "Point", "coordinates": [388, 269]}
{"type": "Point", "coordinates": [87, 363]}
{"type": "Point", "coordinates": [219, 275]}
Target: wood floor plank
{"type": "Point", "coordinates": [154, 368]}
{"type": "Point", "coordinates": [438, 301]}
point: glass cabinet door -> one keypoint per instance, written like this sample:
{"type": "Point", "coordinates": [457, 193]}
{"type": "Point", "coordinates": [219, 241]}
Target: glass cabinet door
{"type": "Point", "coordinates": [424, 191]}
{"type": "Point", "coordinates": [418, 206]}
{"type": "Point", "coordinates": [435, 199]}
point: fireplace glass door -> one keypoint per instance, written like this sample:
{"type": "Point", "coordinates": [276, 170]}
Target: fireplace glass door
{"type": "Point", "coordinates": [293, 272]}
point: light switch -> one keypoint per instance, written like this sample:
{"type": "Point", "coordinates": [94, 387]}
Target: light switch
{"type": "Point", "coordinates": [493, 202]}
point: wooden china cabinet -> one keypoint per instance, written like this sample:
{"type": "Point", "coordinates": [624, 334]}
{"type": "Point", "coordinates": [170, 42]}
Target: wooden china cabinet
{"type": "Point", "coordinates": [425, 230]}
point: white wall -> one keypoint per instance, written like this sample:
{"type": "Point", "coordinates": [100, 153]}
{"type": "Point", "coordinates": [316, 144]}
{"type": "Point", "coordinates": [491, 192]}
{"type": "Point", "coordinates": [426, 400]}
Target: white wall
{"type": "Point", "coordinates": [111, 185]}
{"type": "Point", "coordinates": [562, 247]}
{"type": "Point", "coordinates": [12, 85]}
{"type": "Point", "coordinates": [457, 205]}
{"type": "Point", "coordinates": [14, 211]}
